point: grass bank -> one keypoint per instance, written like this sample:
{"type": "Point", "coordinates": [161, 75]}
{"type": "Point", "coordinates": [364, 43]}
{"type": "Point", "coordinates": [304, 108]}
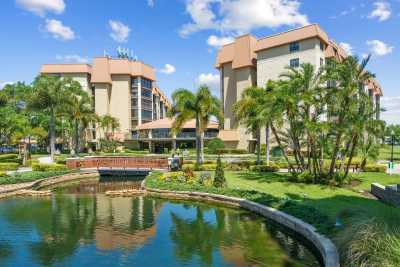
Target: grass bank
{"type": "Point", "coordinates": [25, 177]}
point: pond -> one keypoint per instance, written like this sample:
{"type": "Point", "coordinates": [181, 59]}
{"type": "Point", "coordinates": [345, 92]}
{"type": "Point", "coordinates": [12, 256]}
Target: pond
{"type": "Point", "coordinates": [81, 226]}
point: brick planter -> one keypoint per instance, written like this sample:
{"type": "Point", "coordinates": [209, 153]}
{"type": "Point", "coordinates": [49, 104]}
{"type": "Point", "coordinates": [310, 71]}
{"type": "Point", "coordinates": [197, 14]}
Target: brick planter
{"type": "Point", "coordinates": [118, 162]}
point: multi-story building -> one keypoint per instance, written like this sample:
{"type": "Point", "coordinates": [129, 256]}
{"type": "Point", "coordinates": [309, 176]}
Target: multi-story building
{"type": "Point", "coordinates": [120, 87]}
{"type": "Point", "coordinates": [249, 61]}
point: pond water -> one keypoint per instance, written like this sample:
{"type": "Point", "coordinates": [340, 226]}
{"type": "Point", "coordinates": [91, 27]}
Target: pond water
{"type": "Point", "coordinates": [80, 226]}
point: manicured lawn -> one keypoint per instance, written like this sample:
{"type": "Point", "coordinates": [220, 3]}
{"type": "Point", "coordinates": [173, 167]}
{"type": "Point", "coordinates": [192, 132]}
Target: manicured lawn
{"type": "Point", "coordinates": [385, 153]}
{"type": "Point", "coordinates": [31, 176]}
{"type": "Point", "coordinates": [346, 203]}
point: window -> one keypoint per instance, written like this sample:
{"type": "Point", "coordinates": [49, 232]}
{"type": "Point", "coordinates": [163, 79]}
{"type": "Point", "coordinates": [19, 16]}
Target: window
{"type": "Point", "coordinates": [321, 46]}
{"type": "Point", "coordinates": [293, 47]}
{"type": "Point", "coordinates": [146, 93]}
{"type": "Point", "coordinates": [295, 63]}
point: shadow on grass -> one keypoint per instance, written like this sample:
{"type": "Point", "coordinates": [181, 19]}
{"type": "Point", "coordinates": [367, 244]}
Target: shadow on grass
{"type": "Point", "coordinates": [273, 177]}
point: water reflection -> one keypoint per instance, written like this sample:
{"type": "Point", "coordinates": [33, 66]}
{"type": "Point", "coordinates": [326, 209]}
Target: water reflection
{"type": "Point", "coordinates": [86, 230]}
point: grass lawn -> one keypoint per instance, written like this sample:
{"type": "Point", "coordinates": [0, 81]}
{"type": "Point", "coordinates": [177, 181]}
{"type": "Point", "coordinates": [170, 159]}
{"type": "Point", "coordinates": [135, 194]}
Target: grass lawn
{"type": "Point", "coordinates": [346, 203]}
{"type": "Point", "coordinates": [385, 153]}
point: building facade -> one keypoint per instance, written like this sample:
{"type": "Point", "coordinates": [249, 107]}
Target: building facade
{"type": "Point", "coordinates": [249, 61]}
{"type": "Point", "coordinates": [123, 88]}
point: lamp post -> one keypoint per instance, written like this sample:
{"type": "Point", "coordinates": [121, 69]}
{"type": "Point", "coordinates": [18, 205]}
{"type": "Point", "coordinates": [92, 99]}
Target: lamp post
{"type": "Point", "coordinates": [391, 167]}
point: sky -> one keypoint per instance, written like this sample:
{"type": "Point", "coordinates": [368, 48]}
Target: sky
{"type": "Point", "coordinates": [180, 38]}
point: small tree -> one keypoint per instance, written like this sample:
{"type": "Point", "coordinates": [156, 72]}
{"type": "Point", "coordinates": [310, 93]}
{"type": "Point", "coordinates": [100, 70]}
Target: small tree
{"type": "Point", "coordinates": [214, 145]}
{"type": "Point", "coordinates": [219, 179]}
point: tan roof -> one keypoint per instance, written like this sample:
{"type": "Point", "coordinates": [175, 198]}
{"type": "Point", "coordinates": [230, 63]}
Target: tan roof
{"type": "Point", "coordinates": [228, 135]}
{"type": "Point", "coordinates": [333, 50]}
{"type": "Point", "coordinates": [242, 52]}
{"type": "Point", "coordinates": [303, 33]}
{"type": "Point", "coordinates": [166, 123]}
{"type": "Point", "coordinates": [375, 86]}
{"type": "Point", "coordinates": [66, 68]}
{"type": "Point", "coordinates": [104, 67]}
{"type": "Point", "coordinates": [163, 98]}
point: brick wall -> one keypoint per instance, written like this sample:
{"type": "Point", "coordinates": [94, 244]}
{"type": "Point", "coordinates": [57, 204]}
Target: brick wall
{"type": "Point", "coordinates": [118, 162]}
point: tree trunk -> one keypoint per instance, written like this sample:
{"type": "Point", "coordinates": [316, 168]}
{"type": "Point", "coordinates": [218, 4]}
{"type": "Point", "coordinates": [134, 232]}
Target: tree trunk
{"type": "Point", "coordinates": [25, 156]}
{"type": "Point", "coordinates": [202, 147]}
{"type": "Point", "coordinates": [334, 154]}
{"type": "Point", "coordinates": [258, 138]}
{"type": "Point", "coordinates": [353, 147]}
{"type": "Point", "coordinates": [281, 147]}
{"type": "Point", "coordinates": [198, 141]}
{"type": "Point", "coordinates": [267, 148]}
{"type": "Point", "coordinates": [76, 137]}
{"type": "Point", "coordinates": [52, 134]}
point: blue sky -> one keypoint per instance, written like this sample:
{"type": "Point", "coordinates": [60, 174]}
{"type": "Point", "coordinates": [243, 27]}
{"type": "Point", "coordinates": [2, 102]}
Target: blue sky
{"type": "Point", "coordinates": [180, 38]}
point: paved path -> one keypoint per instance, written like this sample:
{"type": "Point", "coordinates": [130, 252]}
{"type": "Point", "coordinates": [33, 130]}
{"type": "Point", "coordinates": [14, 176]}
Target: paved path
{"type": "Point", "coordinates": [45, 160]}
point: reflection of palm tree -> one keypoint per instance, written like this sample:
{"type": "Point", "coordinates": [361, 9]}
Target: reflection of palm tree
{"type": "Point", "coordinates": [238, 237]}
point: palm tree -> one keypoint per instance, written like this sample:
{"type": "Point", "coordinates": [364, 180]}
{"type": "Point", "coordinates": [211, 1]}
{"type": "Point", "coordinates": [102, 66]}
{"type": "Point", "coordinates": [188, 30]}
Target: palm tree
{"type": "Point", "coordinates": [51, 95]}
{"type": "Point", "coordinates": [81, 114]}
{"type": "Point", "coordinates": [109, 124]}
{"type": "Point", "coordinates": [351, 76]}
{"type": "Point", "coordinates": [201, 106]}
{"type": "Point", "coordinates": [248, 111]}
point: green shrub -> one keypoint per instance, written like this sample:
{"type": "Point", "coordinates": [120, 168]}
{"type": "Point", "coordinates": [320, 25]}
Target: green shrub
{"type": "Point", "coordinates": [214, 145]}
{"type": "Point", "coordinates": [48, 167]}
{"type": "Point", "coordinates": [108, 146]}
{"type": "Point", "coordinates": [24, 177]}
{"type": "Point", "coordinates": [219, 178]}
{"type": "Point", "coordinates": [265, 168]}
{"type": "Point", "coordinates": [4, 157]}
{"type": "Point", "coordinates": [305, 177]}
{"type": "Point", "coordinates": [375, 168]}
{"type": "Point", "coordinates": [30, 162]}
{"type": "Point", "coordinates": [8, 166]}
{"type": "Point", "coordinates": [231, 151]}
{"type": "Point", "coordinates": [205, 179]}
{"type": "Point", "coordinates": [3, 174]}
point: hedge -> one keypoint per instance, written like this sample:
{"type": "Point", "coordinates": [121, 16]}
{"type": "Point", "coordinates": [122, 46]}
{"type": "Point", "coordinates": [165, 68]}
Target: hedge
{"type": "Point", "coordinates": [375, 168]}
{"type": "Point", "coordinates": [9, 166]}
{"type": "Point", "coordinates": [8, 157]}
{"type": "Point", "coordinates": [265, 168]}
{"type": "Point", "coordinates": [231, 151]}
{"type": "Point", "coordinates": [48, 167]}
{"type": "Point", "coordinates": [24, 177]}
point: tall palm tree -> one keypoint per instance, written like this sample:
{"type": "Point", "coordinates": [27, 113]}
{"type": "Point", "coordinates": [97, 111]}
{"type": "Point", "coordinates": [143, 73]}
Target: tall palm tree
{"type": "Point", "coordinates": [50, 94]}
{"type": "Point", "coordinates": [201, 106]}
{"type": "Point", "coordinates": [81, 113]}
{"type": "Point", "coordinates": [351, 75]}
{"type": "Point", "coordinates": [249, 112]}
{"type": "Point", "coordinates": [109, 124]}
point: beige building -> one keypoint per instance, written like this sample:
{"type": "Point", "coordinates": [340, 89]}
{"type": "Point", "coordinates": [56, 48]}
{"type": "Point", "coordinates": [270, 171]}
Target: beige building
{"type": "Point", "coordinates": [123, 88]}
{"type": "Point", "coordinates": [249, 61]}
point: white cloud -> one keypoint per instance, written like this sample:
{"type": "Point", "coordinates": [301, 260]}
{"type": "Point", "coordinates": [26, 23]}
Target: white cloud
{"type": "Point", "coordinates": [58, 30]}
{"type": "Point", "coordinates": [392, 107]}
{"type": "Point", "coordinates": [119, 31]}
{"type": "Point", "coordinates": [347, 47]}
{"type": "Point", "coordinates": [72, 58]}
{"type": "Point", "coordinates": [150, 3]}
{"type": "Point", "coordinates": [2, 84]}
{"type": "Point", "coordinates": [168, 69]}
{"type": "Point", "coordinates": [209, 79]}
{"type": "Point", "coordinates": [379, 48]}
{"type": "Point", "coordinates": [382, 11]}
{"type": "Point", "coordinates": [40, 7]}
{"type": "Point", "coordinates": [238, 16]}
{"type": "Point", "coordinates": [217, 42]}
